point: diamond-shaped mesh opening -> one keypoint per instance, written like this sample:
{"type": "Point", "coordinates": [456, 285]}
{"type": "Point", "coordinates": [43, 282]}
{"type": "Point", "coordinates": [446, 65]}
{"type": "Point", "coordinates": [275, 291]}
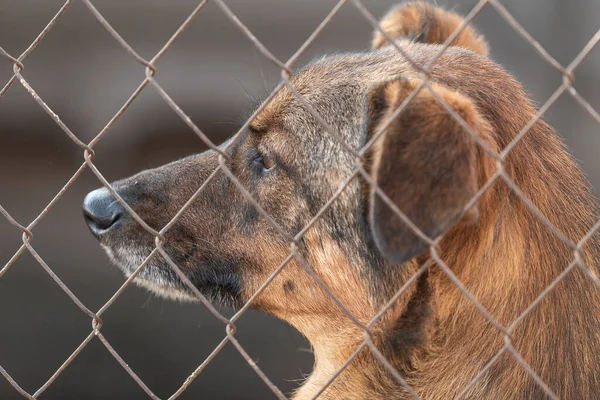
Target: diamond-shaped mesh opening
{"type": "Point", "coordinates": [39, 326]}
{"type": "Point", "coordinates": [76, 381]}
{"type": "Point", "coordinates": [147, 59]}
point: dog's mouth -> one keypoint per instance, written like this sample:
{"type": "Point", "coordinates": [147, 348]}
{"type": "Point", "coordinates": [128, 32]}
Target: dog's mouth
{"type": "Point", "coordinates": [220, 286]}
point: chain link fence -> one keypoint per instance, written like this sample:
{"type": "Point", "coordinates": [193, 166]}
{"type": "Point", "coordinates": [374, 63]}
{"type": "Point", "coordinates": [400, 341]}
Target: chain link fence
{"type": "Point", "coordinates": [19, 63]}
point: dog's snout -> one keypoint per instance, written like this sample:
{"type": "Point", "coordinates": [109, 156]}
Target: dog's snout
{"type": "Point", "coordinates": [101, 211]}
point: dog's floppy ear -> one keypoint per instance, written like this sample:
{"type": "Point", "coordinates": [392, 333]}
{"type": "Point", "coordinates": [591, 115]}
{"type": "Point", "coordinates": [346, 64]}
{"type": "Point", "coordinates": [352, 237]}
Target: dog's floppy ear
{"type": "Point", "coordinates": [426, 23]}
{"type": "Point", "coordinates": [424, 162]}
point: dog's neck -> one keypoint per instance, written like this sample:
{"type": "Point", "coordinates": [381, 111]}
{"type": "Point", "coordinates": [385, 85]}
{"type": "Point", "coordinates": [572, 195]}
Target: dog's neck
{"type": "Point", "coordinates": [454, 326]}
{"type": "Point", "coordinates": [357, 379]}
{"type": "Point", "coordinates": [399, 334]}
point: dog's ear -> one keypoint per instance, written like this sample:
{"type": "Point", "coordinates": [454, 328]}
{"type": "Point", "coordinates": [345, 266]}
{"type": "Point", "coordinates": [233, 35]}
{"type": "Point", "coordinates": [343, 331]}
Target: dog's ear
{"type": "Point", "coordinates": [424, 162]}
{"type": "Point", "coordinates": [425, 23]}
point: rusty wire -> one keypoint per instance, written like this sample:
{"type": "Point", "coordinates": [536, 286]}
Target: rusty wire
{"type": "Point", "coordinates": [286, 75]}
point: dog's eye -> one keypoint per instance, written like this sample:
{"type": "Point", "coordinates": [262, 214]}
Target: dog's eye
{"type": "Point", "coordinates": [265, 162]}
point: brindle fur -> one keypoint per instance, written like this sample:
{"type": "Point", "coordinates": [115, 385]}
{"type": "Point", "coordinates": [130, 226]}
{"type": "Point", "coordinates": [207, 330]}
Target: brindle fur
{"type": "Point", "coordinates": [430, 166]}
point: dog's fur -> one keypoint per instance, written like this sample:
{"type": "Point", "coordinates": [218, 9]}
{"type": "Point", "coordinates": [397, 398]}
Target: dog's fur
{"type": "Point", "coordinates": [431, 167]}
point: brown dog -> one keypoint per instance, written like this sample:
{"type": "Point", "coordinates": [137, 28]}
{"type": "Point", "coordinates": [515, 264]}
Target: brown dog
{"type": "Point", "coordinates": [431, 167]}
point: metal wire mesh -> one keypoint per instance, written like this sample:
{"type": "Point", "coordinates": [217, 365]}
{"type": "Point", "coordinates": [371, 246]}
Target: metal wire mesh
{"type": "Point", "coordinates": [286, 73]}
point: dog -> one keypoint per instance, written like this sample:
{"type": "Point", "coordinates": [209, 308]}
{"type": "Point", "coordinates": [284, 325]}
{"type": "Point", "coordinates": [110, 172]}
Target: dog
{"type": "Point", "coordinates": [435, 168]}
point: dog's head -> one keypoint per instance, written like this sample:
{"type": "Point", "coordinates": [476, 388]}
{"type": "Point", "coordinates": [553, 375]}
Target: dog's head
{"type": "Point", "coordinates": [292, 164]}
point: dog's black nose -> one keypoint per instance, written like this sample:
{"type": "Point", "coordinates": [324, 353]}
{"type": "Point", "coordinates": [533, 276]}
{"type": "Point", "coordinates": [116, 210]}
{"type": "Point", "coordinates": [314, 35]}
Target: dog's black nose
{"type": "Point", "coordinates": [101, 211]}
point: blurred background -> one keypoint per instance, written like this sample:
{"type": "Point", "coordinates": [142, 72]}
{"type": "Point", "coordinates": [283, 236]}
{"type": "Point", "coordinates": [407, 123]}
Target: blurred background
{"type": "Point", "coordinates": [213, 72]}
